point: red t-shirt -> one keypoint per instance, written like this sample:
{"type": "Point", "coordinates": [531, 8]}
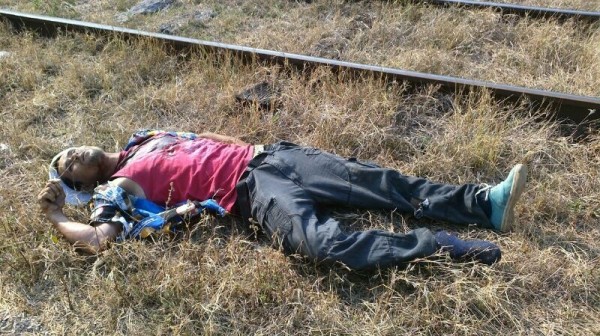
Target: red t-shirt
{"type": "Point", "coordinates": [171, 170]}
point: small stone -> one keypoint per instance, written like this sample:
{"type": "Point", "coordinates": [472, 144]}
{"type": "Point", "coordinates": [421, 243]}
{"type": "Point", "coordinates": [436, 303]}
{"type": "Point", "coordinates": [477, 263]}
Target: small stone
{"type": "Point", "coordinates": [4, 54]}
{"type": "Point", "coordinates": [169, 28]}
{"type": "Point", "coordinates": [121, 17]}
{"type": "Point", "coordinates": [264, 94]}
{"type": "Point", "coordinates": [202, 17]}
{"type": "Point", "coordinates": [197, 18]}
{"type": "Point", "coordinates": [330, 47]}
{"type": "Point", "coordinates": [150, 6]}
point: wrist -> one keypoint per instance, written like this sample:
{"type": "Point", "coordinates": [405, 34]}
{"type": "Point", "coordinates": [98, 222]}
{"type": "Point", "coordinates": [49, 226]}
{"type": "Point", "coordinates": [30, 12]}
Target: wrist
{"type": "Point", "coordinates": [55, 215]}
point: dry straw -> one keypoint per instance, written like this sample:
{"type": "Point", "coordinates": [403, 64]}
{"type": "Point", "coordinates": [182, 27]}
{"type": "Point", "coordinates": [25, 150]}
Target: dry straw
{"type": "Point", "coordinates": [220, 277]}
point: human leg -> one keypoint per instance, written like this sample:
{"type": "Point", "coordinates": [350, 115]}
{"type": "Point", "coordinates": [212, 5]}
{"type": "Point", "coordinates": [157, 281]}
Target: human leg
{"type": "Point", "coordinates": [330, 179]}
{"type": "Point", "coordinates": [490, 207]}
{"type": "Point", "coordinates": [457, 204]}
{"type": "Point", "coordinates": [458, 249]}
{"type": "Point", "coordinates": [287, 212]}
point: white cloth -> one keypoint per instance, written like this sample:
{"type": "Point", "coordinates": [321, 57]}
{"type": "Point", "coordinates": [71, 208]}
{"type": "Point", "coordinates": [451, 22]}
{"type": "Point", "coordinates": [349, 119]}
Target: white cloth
{"type": "Point", "coordinates": [73, 197]}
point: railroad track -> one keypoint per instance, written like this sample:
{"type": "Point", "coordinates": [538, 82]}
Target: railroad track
{"type": "Point", "coordinates": [568, 107]}
{"type": "Point", "coordinates": [521, 10]}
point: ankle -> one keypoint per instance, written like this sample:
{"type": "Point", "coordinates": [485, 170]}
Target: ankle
{"type": "Point", "coordinates": [483, 201]}
{"type": "Point", "coordinates": [471, 250]}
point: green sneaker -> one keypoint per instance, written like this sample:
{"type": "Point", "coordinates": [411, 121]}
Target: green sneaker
{"type": "Point", "coordinates": [505, 195]}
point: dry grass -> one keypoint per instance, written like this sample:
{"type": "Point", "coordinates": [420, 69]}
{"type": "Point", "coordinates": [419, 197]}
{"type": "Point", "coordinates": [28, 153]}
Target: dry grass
{"type": "Point", "coordinates": [568, 4]}
{"type": "Point", "coordinates": [221, 279]}
{"type": "Point", "coordinates": [467, 43]}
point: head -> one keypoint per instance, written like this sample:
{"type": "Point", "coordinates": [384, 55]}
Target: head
{"type": "Point", "coordinates": [80, 169]}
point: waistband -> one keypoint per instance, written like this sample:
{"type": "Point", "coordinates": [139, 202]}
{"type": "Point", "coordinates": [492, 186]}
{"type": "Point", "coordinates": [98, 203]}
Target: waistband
{"type": "Point", "coordinates": [258, 149]}
{"type": "Point", "coordinates": [243, 197]}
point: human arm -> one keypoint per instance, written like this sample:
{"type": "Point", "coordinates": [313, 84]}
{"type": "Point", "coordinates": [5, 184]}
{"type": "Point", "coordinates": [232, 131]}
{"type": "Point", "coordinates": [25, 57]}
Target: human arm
{"type": "Point", "coordinates": [222, 138]}
{"type": "Point", "coordinates": [91, 239]}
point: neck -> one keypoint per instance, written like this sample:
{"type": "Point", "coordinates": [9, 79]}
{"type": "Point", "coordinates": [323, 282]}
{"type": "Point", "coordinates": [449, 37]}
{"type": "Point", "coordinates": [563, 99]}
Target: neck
{"type": "Point", "coordinates": [110, 164]}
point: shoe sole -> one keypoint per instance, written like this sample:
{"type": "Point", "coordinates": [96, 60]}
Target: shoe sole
{"type": "Point", "coordinates": [516, 189]}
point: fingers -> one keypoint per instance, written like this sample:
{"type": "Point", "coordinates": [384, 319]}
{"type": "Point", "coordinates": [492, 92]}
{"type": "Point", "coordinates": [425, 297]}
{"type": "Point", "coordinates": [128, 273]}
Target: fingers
{"type": "Point", "coordinates": [46, 199]}
{"type": "Point", "coordinates": [47, 194]}
{"type": "Point", "coordinates": [50, 191]}
{"type": "Point", "coordinates": [51, 196]}
{"type": "Point", "coordinates": [56, 188]}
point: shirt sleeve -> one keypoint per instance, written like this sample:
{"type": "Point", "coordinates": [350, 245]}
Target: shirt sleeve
{"type": "Point", "coordinates": [111, 204]}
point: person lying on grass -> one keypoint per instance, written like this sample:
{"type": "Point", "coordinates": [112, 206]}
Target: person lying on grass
{"type": "Point", "coordinates": [283, 186]}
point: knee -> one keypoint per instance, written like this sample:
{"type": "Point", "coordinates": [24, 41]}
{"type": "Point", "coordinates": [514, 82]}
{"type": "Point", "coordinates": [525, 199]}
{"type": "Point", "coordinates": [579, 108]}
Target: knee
{"type": "Point", "coordinates": [313, 240]}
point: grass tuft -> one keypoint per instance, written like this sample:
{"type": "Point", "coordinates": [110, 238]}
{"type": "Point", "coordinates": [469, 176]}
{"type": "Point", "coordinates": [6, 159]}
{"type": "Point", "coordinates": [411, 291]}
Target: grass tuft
{"type": "Point", "coordinates": [220, 277]}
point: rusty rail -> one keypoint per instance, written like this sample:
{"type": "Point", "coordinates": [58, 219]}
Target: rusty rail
{"type": "Point", "coordinates": [521, 10]}
{"type": "Point", "coordinates": [565, 106]}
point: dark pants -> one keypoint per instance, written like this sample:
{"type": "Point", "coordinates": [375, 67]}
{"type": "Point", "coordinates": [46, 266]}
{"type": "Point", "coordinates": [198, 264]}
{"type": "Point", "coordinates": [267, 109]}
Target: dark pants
{"type": "Point", "coordinates": [290, 182]}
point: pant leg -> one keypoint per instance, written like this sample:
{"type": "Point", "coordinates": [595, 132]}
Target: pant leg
{"type": "Point", "coordinates": [287, 212]}
{"type": "Point", "coordinates": [330, 179]}
{"type": "Point", "coordinates": [457, 204]}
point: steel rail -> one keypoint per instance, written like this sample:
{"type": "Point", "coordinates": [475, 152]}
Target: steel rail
{"type": "Point", "coordinates": [563, 106]}
{"type": "Point", "coordinates": [522, 10]}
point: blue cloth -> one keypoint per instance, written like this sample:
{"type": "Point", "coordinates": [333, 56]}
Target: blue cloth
{"type": "Point", "coordinates": [114, 204]}
{"type": "Point", "coordinates": [135, 214]}
{"type": "Point", "coordinates": [458, 249]}
{"type": "Point", "coordinates": [143, 135]}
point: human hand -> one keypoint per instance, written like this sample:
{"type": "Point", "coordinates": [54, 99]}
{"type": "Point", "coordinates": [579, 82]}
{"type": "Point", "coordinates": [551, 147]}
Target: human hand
{"type": "Point", "coordinates": [52, 197]}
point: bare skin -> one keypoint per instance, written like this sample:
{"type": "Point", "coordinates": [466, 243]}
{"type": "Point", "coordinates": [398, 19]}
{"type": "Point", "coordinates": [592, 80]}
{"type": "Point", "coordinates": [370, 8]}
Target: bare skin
{"type": "Point", "coordinates": [89, 167]}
